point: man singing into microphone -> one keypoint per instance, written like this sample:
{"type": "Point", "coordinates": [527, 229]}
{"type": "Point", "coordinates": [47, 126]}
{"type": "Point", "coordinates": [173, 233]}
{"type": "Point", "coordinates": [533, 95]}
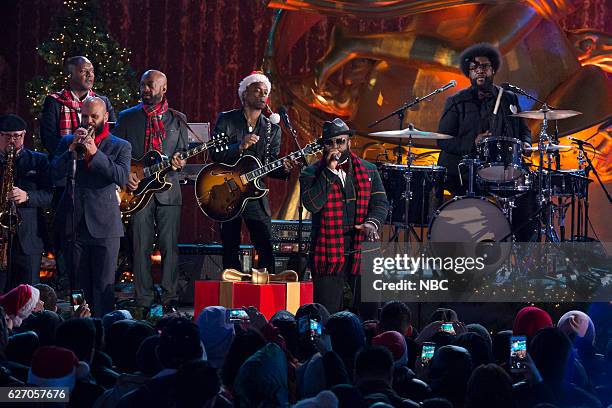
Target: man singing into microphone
{"type": "Point", "coordinates": [250, 133]}
{"type": "Point", "coordinates": [468, 116]}
{"type": "Point", "coordinates": [348, 204]}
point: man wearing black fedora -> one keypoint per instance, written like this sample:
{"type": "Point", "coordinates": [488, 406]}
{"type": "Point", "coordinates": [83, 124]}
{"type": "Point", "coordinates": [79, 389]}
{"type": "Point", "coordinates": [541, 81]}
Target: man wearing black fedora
{"type": "Point", "coordinates": [348, 204]}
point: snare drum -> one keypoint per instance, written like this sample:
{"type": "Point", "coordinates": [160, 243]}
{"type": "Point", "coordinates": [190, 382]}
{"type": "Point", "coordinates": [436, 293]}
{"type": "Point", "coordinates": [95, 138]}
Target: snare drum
{"type": "Point", "coordinates": [501, 159]}
{"type": "Point", "coordinates": [566, 183]}
{"type": "Point", "coordinates": [426, 184]}
{"type": "Point", "coordinates": [520, 185]}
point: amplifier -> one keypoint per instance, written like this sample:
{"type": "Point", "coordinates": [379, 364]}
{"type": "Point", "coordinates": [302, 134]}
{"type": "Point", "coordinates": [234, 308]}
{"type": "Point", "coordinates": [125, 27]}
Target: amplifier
{"type": "Point", "coordinates": [204, 261]}
{"type": "Point", "coordinates": [287, 231]}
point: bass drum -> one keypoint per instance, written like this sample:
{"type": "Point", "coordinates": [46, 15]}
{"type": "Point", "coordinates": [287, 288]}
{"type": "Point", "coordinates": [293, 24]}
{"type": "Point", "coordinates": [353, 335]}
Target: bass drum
{"type": "Point", "coordinates": [476, 224]}
{"type": "Point", "coordinates": [469, 219]}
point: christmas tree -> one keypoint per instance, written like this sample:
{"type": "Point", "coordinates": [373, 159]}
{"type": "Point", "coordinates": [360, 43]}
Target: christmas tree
{"type": "Point", "coordinates": [80, 30]}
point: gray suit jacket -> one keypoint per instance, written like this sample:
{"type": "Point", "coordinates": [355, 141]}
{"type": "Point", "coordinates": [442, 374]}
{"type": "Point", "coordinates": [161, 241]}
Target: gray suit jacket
{"type": "Point", "coordinates": [95, 189]}
{"type": "Point", "coordinates": [131, 127]}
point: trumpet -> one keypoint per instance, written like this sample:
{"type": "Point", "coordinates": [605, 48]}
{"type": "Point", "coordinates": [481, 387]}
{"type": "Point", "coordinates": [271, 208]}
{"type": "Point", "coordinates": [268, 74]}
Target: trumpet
{"type": "Point", "coordinates": [79, 148]}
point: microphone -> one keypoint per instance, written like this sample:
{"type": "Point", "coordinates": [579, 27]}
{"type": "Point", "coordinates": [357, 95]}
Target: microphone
{"type": "Point", "coordinates": [445, 87]}
{"type": "Point", "coordinates": [509, 87]}
{"type": "Point", "coordinates": [580, 142]}
{"type": "Point", "coordinates": [284, 115]}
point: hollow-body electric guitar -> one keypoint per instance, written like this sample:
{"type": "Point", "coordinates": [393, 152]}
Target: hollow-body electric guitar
{"type": "Point", "coordinates": [222, 190]}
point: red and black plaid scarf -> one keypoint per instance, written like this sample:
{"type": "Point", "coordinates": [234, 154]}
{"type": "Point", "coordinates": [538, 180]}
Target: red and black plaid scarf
{"type": "Point", "coordinates": [329, 247]}
{"type": "Point", "coordinates": [155, 133]}
{"type": "Point", "coordinates": [71, 106]}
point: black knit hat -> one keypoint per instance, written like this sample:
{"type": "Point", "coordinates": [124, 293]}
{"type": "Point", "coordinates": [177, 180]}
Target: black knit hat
{"type": "Point", "coordinates": [479, 50]}
{"type": "Point", "coordinates": [12, 123]}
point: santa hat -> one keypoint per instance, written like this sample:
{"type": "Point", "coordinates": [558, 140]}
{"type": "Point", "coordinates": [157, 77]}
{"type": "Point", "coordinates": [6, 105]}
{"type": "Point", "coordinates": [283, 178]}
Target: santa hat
{"type": "Point", "coordinates": [529, 320]}
{"type": "Point", "coordinates": [395, 343]}
{"type": "Point", "coordinates": [56, 367]}
{"type": "Point", "coordinates": [19, 303]}
{"type": "Point", "coordinates": [254, 77]}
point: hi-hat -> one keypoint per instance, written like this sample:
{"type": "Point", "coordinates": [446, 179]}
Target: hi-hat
{"type": "Point", "coordinates": [402, 136]}
{"type": "Point", "coordinates": [549, 148]}
{"type": "Point", "coordinates": [549, 113]}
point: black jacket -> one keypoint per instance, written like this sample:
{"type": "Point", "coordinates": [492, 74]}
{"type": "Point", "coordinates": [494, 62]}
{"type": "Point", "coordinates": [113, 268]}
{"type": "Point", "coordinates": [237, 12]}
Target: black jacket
{"type": "Point", "coordinates": [49, 122]}
{"type": "Point", "coordinates": [461, 119]}
{"type": "Point", "coordinates": [131, 127]}
{"type": "Point", "coordinates": [234, 125]}
{"type": "Point", "coordinates": [96, 184]}
{"type": "Point", "coordinates": [32, 175]}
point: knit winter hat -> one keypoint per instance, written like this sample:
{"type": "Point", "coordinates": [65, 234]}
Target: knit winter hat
{"type": "Point", "coordinates": [395, 343]}
{"type": "Point", "coordinates": [255, 76]}
{"type": "Point", "coordinates": [56, 367]}
{"type": "Point", "coordinates": [529, 320]}
{"type": "Point", "coordinates": [577, 323]}
{"type": "Point", "coordinates": [114, 316]}
{"type": "Point", "coordinates": [325, 399]}
{"type": "Point", "coordinates": [19, 303]}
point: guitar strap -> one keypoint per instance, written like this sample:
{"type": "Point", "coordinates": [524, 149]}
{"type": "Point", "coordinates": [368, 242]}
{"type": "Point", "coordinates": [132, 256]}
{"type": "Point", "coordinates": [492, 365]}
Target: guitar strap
{"type": "Point", "coordinates": [267, 140]}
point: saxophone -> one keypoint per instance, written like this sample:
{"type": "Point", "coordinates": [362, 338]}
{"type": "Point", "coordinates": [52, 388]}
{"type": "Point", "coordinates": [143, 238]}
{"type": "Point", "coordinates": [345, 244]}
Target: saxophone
{"type": "Point", "coordinates": [9, 217]}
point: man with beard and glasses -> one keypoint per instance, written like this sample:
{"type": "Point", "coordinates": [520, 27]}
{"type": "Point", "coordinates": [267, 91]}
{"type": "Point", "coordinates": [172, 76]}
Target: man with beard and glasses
{"type": "Point", "coordinates": [468, 116]}
{"type": "Point", "coordinates": [91, 242]}
{"type": "Point", "coordinates": [31, 192]}
{"type": "Point", "coordinates": [61, 114]}
{"type": "Point", "coordinates": [153, 125]}
{"type": "Point", "coordinates": [250, 133]}
{"type": "Point", "coordinates": [348, 204]}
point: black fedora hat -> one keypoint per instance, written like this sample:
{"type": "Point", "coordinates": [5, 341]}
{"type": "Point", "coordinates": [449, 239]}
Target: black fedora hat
{"type": "Point", "coordinates": [334, 128]}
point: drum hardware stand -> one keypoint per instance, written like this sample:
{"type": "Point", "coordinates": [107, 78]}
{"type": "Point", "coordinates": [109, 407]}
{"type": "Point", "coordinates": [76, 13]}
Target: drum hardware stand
{"type": "Point", "coordinates": [470, 163]}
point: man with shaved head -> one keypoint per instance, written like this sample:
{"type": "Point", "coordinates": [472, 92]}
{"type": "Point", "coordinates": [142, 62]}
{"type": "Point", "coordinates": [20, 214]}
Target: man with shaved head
{"type": "Point", "coordinates": [153, 125]}
{"type": "Point", "coordinates": [87, 217]}
{"type": "Point", "coordinates": [61, 114]}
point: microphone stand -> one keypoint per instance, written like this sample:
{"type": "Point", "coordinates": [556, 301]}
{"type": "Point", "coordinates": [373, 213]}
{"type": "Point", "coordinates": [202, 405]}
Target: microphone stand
{"type": "Point", "coordinates": [72, 267]}
{"type": "Point", "coordinates": [300, 206]}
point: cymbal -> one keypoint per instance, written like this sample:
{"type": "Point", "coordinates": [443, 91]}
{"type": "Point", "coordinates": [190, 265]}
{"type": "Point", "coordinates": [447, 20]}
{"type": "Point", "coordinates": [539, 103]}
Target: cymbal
{"type": "Point", "coordinates": [401, 136]}
{"type": "Point", "coordinates": [549, 148]}
{"type": "Point", "coordinates": [550, 114]}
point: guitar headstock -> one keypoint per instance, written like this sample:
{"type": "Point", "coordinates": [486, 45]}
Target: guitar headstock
{"type": "Point", "coordinates": [219, 142]}
{"type": "Point", "coordinates": [314, 147]}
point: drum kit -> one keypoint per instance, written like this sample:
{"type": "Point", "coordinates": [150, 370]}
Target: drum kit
{"type": "Point", "coordinates": [415, 192]}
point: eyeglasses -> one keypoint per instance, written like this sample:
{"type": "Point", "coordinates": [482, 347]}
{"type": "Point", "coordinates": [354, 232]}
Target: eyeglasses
{"type": "Point", "coordinates": [338, 142]}
{"type": "Point", "coordinates": [13, 136]}
{"type": "Point", "coordinates": [484, 67]}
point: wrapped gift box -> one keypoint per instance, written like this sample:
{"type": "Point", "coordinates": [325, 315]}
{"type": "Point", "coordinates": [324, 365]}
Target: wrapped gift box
{"type": "Point", "coordinates": [267, 298]}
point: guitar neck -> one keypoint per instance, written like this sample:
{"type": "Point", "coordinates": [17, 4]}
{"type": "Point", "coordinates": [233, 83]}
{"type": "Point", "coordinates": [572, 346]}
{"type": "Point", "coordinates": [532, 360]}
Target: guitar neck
{"type": "Point", "coordinates": [164, 164]}
{"type": "Point", "coordinates": [276, 164]}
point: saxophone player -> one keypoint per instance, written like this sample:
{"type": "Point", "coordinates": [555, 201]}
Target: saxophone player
{"type": "Point", "coordinates": [30, 193]}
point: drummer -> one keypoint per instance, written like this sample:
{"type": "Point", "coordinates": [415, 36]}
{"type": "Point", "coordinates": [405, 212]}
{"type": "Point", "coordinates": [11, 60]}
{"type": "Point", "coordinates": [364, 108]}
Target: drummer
{"type": "Point", "coordinates": [469, 117]}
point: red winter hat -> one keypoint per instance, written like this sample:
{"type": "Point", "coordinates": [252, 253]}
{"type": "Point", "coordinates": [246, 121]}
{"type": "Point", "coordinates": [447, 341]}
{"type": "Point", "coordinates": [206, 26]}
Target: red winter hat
{"type": "Point", "coordinates": [529, 320]}
{"type": "Point", "coordinates": [56, 367]}
{"type": "Point", "coordinates": [395, 343]}
{"type": "Point", "coordinates": [19, 303]}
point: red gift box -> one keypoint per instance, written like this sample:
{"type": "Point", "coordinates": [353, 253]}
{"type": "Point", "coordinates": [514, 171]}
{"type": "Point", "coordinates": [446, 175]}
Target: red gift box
{"type": "Point", "coordinates": [267, 298]}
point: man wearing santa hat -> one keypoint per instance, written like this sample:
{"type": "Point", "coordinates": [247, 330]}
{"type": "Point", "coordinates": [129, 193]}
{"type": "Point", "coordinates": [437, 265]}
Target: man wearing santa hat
{"type": "Point", "coordinates": [19, 303]}
{"type": "Point", "coordinates": [250, 133]}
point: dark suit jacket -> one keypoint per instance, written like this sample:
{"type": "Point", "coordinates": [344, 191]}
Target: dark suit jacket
{"type": "Point", "coordinates": [49, 122]}
{"type": "Point", "coordinates": [95, 196]}
{"type": "Point", "coordinates": [234, 125]}
{"type": "Point", "coordinates": [32, 175]}
{"type": "Point", "coordinates": [461, 119]}
{"type": "Point", "coordinates": [131, 127]}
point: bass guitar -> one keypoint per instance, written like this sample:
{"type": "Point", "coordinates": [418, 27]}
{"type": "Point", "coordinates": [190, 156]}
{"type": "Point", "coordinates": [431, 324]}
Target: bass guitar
{"type": "Point", "coordinates": [152, 169]}
{"type": "Point", "coordinates": [222, 190]}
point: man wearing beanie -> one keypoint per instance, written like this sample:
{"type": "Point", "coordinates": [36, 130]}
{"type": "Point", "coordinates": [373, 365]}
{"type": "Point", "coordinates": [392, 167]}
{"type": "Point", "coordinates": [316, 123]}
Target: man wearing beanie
{"type": "Point", "coordinates": [31, 193]}
{"type": "Point", "coordinates": [88, 219]}
{"type": "Point", "coordinates": [250, 133]}
{"type": "Point", "coordinates": [468, 116]}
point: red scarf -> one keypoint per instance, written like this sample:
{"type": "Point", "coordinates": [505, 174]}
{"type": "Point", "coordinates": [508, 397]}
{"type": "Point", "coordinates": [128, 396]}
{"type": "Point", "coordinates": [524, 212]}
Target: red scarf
{"type": "Point", "coordinates": [155, 133]}
{"type": "Point", "coordinates": [329, 247]}
{"type": "Point", "coordinates": [71, 106]}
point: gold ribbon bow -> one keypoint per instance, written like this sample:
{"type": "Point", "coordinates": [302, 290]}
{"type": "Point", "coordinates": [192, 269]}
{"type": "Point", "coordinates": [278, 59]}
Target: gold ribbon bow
{"type": "Point", "coordinates": [258, 276]}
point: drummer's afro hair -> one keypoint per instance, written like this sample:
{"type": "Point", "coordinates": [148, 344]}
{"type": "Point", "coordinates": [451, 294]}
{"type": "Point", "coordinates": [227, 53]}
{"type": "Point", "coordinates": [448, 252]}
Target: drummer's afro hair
{"type": "Point", "coordinates": [479, 50]}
